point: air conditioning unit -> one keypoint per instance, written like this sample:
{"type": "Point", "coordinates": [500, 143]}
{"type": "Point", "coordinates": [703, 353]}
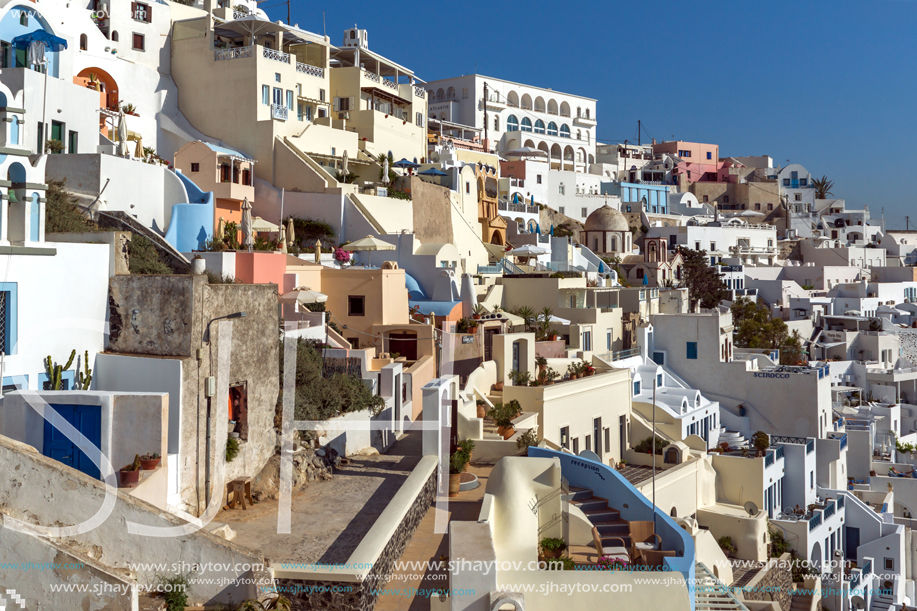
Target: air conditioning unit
{"type": "Point", "coordinates": [343, 115]}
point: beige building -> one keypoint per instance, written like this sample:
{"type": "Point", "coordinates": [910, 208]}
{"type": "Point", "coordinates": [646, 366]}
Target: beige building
{"type": "Point", "coordinates": [295, 102]}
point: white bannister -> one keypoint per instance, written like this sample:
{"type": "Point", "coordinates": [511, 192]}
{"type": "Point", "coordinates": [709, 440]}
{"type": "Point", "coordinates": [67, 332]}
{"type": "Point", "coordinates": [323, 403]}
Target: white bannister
{"type": "Point", "coordinates": [310, 70]}
{"type": "Point", "coordinates": [233, 53]}
{"type": "Point", "coordinates": [276, 55]}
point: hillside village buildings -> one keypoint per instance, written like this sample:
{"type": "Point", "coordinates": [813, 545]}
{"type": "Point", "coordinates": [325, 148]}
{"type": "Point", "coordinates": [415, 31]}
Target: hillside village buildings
{"type": "Point", "coordinates": [298, 274]}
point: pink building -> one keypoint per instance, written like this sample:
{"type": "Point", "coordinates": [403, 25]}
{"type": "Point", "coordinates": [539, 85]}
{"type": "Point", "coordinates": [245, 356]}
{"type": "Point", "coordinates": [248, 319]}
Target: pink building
{"type": "Point", "coordinates": [699, 162]}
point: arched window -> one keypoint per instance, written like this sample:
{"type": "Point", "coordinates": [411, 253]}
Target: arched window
{"type": "Point", "coordinates": [564, 131]}
{"type": "Point", "coordinates": [587, 135]}
{"type": "Point", "coordinates": [539, 126]}
{"type": "Point", "coordinates": [512, 124]}
{"type": "Point", "coordinates": [353, 34]}
{"type": "Point", "coordinates": [552, 128]}
{"type": "Point", "coordinates": [497, 123]}
{"type": "Point", "coordinates": [579, 135]}
{"type": "Point", "coordinates": [84, 42]}
{"type": "Point", "coordinates": [526, 101]}
{"type": "Point", "coordinates": [526, 124]}
{"type": "Point", "coordinates": [115, 37]}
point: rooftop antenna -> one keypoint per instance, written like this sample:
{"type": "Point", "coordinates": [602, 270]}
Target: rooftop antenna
{"type": "Point", "coordinates": [324, 29]}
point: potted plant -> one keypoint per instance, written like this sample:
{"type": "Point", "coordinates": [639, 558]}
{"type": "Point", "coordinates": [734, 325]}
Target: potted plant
{"type": "Point", "coordinates": [520, 378]}
{"type": "Point", "coordinates": [542, 363]}
{"type": "Point", "coordinates": [527, 439]}
{"type": "Point", "coordinates": [478, 311]}
{"type": "Point", "coordinates": [762, 442]}
{"type": "Point", "coordinates": [572, 371]}
{"type": "Point", "coordinates": [503, 415]}
{"type": "Point", "coordinates": [606, 563]}
{"type": "Point", "coordinates": [130, 474]}
{"type": "Point", "coordinates": [148, 462]}
{"type": "Point", "coordinates": [589, 369]}
{"type": "Point", "coordinates": [482, 408]}
{"type": "Point", "coordinates": [552, 547]}
{"type": "Point", "coordinates": [550, 376]}
{"type": "Point", "coordinates": [457, 464]}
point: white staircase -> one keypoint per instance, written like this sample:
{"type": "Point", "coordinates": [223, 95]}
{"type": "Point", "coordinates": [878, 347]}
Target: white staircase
{"type": "Point", "coordinates": [735, 439]}
{"type": "Point", "coordinates": [882, 602]}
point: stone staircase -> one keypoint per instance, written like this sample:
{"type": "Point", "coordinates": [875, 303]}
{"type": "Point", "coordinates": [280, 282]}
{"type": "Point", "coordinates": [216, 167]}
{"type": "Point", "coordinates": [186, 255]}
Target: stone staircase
{"type": "Point", "coordinates": [882, 602]}
{"type": "Point", "coordinates": [801, 602]}
{"type": "Point", "coordinates": [602, 516]}
{"type": "Point", "coordinates": [735, 439]}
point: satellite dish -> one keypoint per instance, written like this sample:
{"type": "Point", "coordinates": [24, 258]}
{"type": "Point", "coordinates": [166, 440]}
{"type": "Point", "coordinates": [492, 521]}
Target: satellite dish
{"type": "Point", "coordinates": [751, 508]}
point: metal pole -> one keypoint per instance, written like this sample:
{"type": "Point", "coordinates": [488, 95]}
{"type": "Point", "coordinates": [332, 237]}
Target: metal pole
{"type": "Point", "coordinates": [44, 106]}
{"type": "Point", "coordinates": [654, 453]}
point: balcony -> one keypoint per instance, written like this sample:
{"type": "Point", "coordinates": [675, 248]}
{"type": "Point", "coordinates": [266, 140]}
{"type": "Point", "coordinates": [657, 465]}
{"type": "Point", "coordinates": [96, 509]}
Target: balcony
{"type": "Point", "coordinates": [233, 53]}
{"type": "Point", "coordinates": [279, 111]}
{"type": "Point", "coordinates": [310, 70]}
{"type": "Point", "coordinates": [275, 55]}
{"type": "Point", "coordinates": [420, 92]}
{"type": "Point", "coordinates": [584, 121]}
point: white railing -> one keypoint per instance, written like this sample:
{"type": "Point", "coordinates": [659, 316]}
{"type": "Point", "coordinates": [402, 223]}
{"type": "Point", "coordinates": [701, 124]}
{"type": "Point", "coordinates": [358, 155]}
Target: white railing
{"type": "Point", "coordinates": [234, 53]}
{"type": "Point", "coordinates": [390, 84]}
{"type": "Point", "coordinates": [276, 55]}
{"type": "Point", "coordinates": [278, 111]}
{"type": "Point", "coordinates": [371, 76]}
{"type": "Point", "coordinates": [310, 70]}
{"type": "Point", "coordinates": [420, 92]}
{"type": "Point", "coordinates": [239, 14]}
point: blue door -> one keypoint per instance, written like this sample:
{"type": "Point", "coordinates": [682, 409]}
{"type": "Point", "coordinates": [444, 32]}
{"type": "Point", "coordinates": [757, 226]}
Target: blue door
{"type": "Point", "coordinates": [87, 419]}
{"type": "Point", "coordinates": [852, 542]}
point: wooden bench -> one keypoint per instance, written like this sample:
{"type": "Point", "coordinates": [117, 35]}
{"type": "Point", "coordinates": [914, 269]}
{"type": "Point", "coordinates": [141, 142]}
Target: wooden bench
{"type": "Point", "coordinates": [237, 491]}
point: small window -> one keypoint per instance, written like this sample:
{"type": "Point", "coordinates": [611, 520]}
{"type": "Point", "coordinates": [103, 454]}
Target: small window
{"type": "Point", "coordinates": [195, 167]}
{"type": "Point", "coordinates": [757, 206]}
{"type": "Point", "coordinates": [584, 212]}
{"type": "Point", "coordinates": [276, 77]}
{"type": "Point", "coordinates": [565, 437]}
{"type": "Point", "coordinates": [84, 42]}
{"type": "Point", "coordinates": [636, 387]}
{"type": "Point", "coordinates": [265, 95]}
{"type": "Point", "coordinates": [706, 198]}
{"type": "Point", "coordinates": [889, 564]}
{"type": "Point", "coordinates": [692, 350]}
{"type": "Point", "coordinates": [496, 123]}
{"type": "Point", "coordinates": [561, 209]}
{"type": "Point", "coordinates": [770, 206]}
{"type": "Point", "coordinates": [321, 97]}
{"type": "Point", "coordinates": [797, 197]}
{"type": "Point", "coordinates": [465, 93]}
{"type": "Point", "coordinates": [576, 445]}
{"type": "Point", "coordinates": [467, 187]}
{"type": "Point", "coordinates": [23, 17]}
{"type": "Point", "coordinates": [589, 443]}
{"type": "Point", "coordinates": [538, 179]}
{"type": "Point", "coordinates": [115, 37]}
{"type": "Point", "coordinates": [139, 43]}
{"type": "Point", "coordinates": [289, 100]}
{"type": "Point", "coordinates": [356, 305]}
{"type": "Point", "coordinates": [141, 12]}
{"type": "Point", "coordinates": [709, 155]}
{"type": "Point", "coordinates": [725, 199]}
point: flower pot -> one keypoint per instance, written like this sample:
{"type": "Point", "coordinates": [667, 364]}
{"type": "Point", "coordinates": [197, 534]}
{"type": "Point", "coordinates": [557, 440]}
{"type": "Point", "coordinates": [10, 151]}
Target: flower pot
{"type": "Point", "coordinates": [149, 465]}
{"type": "Point", "coordinates": [552, 554]}
{"type": "Point", "coordinates": [498, 386]}
{"type": "Point", "coordinates": [553, 337]}
{"type": "Point", "coordinates": [549, 382]}
{"type": "Point", "coordinates": [590, 373]}
{"type": "Point", "coordinates": [509, 432]}
{"type": "Point", "coordinates": [455, 482]}
{"type": "Point", "coordinates": [129, 479]}
{"type": "Point", "coordinates": [482, 411]}
{"type": "Point", "coordinates": [500, 429]}
{"type": "Point", "coordinates": [476, 316]}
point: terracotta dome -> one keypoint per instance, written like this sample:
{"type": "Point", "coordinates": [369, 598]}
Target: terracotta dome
{"type": "Point", "coordinates": [606, 218]}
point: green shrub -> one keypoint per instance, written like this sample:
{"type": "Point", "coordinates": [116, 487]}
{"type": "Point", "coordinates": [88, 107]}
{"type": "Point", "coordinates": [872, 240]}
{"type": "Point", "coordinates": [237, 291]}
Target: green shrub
{"type": "Point", "coordinates": [646, 446]}
{"type": "Point", "coordinates": [232, 448]}
{"type": "Point", "coordinates": [145, 257]}
{"type": "Point", "coordinates": [62, 215]}
{"type": "Point", "coordinates": [726, 545]}
{"type": "Point", "coordinates": [551, 544]}
{"type": "Point", "coordinates": [564, 563]}
{"type": "Point", "coordinates": [175, 590]}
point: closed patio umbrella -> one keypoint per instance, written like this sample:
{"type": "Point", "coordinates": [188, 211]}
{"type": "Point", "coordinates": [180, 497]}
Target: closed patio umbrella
{"type": "Point", "coordinates": [345, 164]}
{"type": "Point", "coordinates": [248, 234]}
{"type": "Point", "coordinates": [138, 149]}
{"type": "Point", "coordinates": [283, 240]}
{"type": "Point", "coordinates": [291, 236]}
{"type": "Point", "coordinates": [122, 134]}
{"type": "Point", "coordinates": [318, 251]}
{"type": "Point", "coordinates": [385, 171]}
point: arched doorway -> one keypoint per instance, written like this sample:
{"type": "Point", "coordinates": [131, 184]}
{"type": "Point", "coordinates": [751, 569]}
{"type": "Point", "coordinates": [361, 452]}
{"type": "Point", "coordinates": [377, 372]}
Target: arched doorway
{"type": "Point", "coordinates": [497, 238]}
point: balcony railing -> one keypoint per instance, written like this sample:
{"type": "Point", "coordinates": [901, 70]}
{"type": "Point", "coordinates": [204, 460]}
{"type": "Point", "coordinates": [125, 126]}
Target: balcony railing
{"type": "Point", "coordinates": [840, 501]}
{"type": "Point", "coordinates": [371, 76]}
{"type": "Point", "coordinates": [310, 70]}
{"type": "Point", "coordinates": [783, 439]}
{"type": "Point", "coordinates": [769, 460]}
{"type": "Point", "coordinates": [490, 269]}
{"type": "Point", "coordinates": [779, 452]}
{"type": "Point", "coordinates": [278, 111]}
{"type": "Point", "coordinates": [810, 446]}
{"type": "Point", "coordinates": [390, 84]}
{"type": "Point", "coordinates": [276, 55]}
{"type": "Point", "coordinates": [239, 14]}
{"type": "Point", "coordinates": [815, 522]}
{"type": "Point", "coordinates": [829, 511]}
{"type": "Point", "coordinates": [844, 442]}
{"type": "Point", "coordinates": [420, 92]}
{"type": "Point", "coordinates": [233, 53]}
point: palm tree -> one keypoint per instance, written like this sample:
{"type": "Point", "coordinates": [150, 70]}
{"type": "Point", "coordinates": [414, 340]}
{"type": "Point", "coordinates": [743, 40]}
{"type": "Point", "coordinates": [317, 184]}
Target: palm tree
{"type": "Point", "coordinates": [822, 187]}
{"type": "Point", "coordinates": [527, 314]}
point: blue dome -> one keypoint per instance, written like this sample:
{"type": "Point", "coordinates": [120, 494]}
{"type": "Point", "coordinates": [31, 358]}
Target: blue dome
{"type": "Point", "coordinates": [415, 291]}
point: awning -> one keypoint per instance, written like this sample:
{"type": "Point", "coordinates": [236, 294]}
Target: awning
{"type": "Point", "coordinates": [382, 93]}
{"type": "Point", "coordinates": [303, 98]}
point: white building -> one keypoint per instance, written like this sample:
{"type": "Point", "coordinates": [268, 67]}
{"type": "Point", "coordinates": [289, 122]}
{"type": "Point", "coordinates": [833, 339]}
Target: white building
{"type": "Point", "coordinates": [561, 125]}
{"type": "Point", "coordinates": [751, 244]}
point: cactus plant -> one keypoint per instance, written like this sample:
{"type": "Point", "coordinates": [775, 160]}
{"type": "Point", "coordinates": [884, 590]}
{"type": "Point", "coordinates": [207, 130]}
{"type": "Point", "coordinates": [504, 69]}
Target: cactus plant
{"type": "Point", "coordinates": [55, 371]}
{"type": "Point", "coordinates": [85, 380]}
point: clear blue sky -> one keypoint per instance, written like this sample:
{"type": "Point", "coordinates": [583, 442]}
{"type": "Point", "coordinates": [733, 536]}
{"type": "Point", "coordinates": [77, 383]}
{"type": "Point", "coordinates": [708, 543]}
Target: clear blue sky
{"type": "Point", "coordinates": [828, 84]}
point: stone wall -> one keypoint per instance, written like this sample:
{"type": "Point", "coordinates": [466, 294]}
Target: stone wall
{"type": "Point", "coordinates": [908, 342]}
{"type": "Point", "coordinates": [358, 596]}
{"type": "Point", "coordinates": [773, 583]}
